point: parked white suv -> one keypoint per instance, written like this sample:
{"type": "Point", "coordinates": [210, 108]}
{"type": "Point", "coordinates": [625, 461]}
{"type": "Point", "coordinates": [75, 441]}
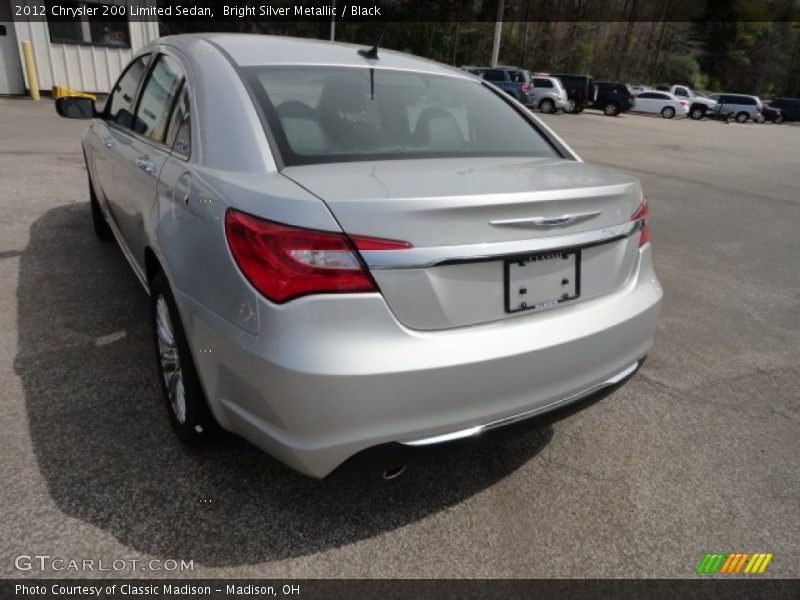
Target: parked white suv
{"type": "Point", "coordinates": [547, 94]}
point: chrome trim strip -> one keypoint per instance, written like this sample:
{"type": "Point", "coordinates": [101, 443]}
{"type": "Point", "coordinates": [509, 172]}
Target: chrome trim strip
{"type": "Point", "coordinates": [471, 431]}
{"type": "Point", "coordinates": [562, 221]}
{"type": "Point", "coordinates": [421, 258]}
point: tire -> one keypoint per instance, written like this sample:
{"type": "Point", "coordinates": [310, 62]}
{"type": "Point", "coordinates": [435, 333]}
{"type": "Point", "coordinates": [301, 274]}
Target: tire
{"type": "Point", "coordinates": [189, 415]}
{"type": "Point", "coordinates": [742, 117]}
{"type": "Point", "coordinates": [571, 108]}
{"type": "Point", "coordinates": [668, 112]}
{"type": "Point", "coordinates": [778, 120]}
{"type": "Point", "coordinates": [547, 106]}
{"type": "Point", "coordinates": [697, 114]}
{"type": "Point", "coordinates": [101, 227]}
{"type": "Point", "coordinates": [611, 109]}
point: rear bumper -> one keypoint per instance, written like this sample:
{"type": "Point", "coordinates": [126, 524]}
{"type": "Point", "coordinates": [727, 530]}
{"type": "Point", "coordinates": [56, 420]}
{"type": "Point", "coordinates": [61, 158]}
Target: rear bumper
{"type": "Point", "coordinates": [331, 376]}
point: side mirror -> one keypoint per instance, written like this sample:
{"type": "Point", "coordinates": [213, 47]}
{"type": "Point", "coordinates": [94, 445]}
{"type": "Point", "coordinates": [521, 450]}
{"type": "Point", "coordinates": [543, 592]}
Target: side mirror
{"type": "Point", "coordinates": [75, 107]}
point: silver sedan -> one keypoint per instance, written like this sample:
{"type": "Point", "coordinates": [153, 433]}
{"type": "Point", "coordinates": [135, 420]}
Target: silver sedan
{"type": "Point", "coordinates": [346, 248]}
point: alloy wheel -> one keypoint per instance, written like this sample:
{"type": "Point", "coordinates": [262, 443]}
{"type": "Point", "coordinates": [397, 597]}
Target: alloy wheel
{"type": "Point", "coordinates": [169, 360]}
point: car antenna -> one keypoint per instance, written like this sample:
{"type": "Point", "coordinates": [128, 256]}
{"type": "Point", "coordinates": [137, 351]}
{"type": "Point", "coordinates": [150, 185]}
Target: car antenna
{"type": "Point", "coordinates": [372, 53]}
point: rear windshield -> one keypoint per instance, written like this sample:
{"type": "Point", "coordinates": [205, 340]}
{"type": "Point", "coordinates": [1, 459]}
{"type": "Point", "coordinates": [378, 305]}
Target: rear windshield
{"type": "Point", "coordinates": [338, 114]}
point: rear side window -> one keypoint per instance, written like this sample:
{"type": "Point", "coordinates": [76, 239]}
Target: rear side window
{"type": "Point", "coordinates": [542, 83]}
{"type": "Point", "coordinates": [337, 114]}
{"type": "Point", "coordinates": [518, 76]}
{"type": "Point", "coordinates": [119, 107]}
{"type": "Point", "coordinates": [158, 98]}
{"type": "Point", "coordinates": [494, 75]}
{"type": "Point", "coordinates": [179, 137]}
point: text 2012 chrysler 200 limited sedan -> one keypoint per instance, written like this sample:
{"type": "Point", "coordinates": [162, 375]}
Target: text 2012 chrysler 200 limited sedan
{"type": "Point", "coordinates": [346, 249]}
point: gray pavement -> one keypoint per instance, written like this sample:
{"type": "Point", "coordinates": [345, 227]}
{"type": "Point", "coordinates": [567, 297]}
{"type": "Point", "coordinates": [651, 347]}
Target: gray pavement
{"type": "Point", "coordinates": [699, 452]}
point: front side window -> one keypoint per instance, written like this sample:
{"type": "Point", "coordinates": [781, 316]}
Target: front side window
{"type": "Point", "coordinates": [119, 106]}
{"type": "Point", "coordinates": [333, 114]}
{"type": "Point", "coordinates": [158, 97]}
{"type": "Point", "coordinates": [108, 25]}
{"type": "Point", "coordinates": [647, 95]}
{"type": "Point", "coordinates": [542, 83]}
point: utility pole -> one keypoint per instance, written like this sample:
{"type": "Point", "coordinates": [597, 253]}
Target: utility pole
{"type": "Point", "coordinates": [498, 32]}
{"type": "Point", "coordinates": [333, 21]}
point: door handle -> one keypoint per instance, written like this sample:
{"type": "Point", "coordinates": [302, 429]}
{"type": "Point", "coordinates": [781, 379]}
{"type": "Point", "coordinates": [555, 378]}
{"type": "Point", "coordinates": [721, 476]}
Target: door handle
{"type": "Point", "coordinates": [109, 142]}
{"type": "Point", "coordinates": [145, 164]}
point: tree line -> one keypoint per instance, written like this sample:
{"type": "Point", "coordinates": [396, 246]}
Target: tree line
{"type": "Point", "coordinates": [745, 46]}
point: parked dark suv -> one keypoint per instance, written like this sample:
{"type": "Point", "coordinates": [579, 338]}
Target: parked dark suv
{"type": "Point", "coordinates": [512, 80]}
{"type": "Point", "coordinates": [580, 91]}
{"type": "Point", "coordinates": [790, 108]}
{"type": "Point", "coordinates": [612, 98]}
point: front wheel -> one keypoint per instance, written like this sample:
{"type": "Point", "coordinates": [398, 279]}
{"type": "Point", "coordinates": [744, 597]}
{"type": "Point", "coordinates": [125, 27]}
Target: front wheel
{"type": "Point", "coordinates": [611, 109]}
{"type": "Point", "coordinates": [697, 114]}
{"type": "Point", "coordinates": [668, 112]}
{"type": "Point", "coordinates": [571, 108]}
{"type": "Point", "coordinates": [189, 415]}
{"type": "Point", "coordinates": [547, 106]}
{"type": "Point", "coordinates": [778, 120]}
{"type": "Point", "coordinates": [742, 117]}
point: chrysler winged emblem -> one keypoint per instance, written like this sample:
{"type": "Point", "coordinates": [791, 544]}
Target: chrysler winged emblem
{"type": "Point", "coordinates": [562, 221]}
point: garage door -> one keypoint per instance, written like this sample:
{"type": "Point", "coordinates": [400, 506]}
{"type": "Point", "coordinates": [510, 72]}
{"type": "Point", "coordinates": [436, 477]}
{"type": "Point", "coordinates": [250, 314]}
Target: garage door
{"type": "Point", "coordinates": [11, 81]}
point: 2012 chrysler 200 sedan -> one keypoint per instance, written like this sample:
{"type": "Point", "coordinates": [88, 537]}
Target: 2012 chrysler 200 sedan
{"type": "Point", "coordinates": [346, 248]}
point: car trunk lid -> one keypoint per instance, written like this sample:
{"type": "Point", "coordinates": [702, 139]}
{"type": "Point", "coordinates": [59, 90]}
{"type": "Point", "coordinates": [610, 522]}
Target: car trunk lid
{"type": "Point", "coordinates": [467, 217]}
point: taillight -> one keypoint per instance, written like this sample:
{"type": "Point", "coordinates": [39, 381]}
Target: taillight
{"type": "Point", "coordinates": [284, 262]}
{"type": "Point", "coordinates": [684, 103]}
{"type": "Point", "coordinates": [525, 88]}
{"type": "Point", "coordinates": [643, 212]}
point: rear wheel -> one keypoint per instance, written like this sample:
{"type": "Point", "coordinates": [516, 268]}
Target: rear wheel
{"type": "Point", "coordinates": [571, 108]}
{"type": "Point", "coordinates": [742, 117]}
{"type": "Point", "coordinates": [189, 415]}
{"type": "Point", "coordinates": [611, 109]}
{"type": "Point", "coordinates": [778, 119]}
{"type": "Point", "coordinates": [547, 106]}
{"type": "Point", "coordinates": [668, 112]}
{"type": "Point", "coordinates": [697, 113]}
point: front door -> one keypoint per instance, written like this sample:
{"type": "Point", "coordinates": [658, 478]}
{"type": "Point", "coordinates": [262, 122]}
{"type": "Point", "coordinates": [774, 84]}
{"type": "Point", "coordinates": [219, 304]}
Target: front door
{"type": "Point", "coordinates": [11, 81]}
{"type": "Point", "coordinates": [143, 154]}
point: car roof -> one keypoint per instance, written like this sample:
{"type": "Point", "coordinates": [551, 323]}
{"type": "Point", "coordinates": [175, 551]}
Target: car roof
{"type": "Point", "coordinates": [266, 50]}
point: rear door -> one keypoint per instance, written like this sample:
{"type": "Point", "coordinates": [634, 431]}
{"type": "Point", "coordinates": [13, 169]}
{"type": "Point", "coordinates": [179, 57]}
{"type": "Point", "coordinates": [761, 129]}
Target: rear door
{"type": "Point", "coordinates": [646, 102]}
{"type": "Point", "coordinates": [542, 87]}
{"type": "Point", "coordinates": [142, 157]}
{"type": "Point", "coordinates": [498, 78]}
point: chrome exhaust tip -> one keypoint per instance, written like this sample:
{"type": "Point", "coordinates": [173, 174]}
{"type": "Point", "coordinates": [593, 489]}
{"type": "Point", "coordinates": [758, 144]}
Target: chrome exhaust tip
{"type": "Point", "coordinates": [394, 472]}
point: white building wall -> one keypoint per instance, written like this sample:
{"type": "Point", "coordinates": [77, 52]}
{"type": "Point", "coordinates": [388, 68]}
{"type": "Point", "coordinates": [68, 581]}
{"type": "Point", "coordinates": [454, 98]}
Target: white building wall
{"type": "Point", "coordinates": [80, 67]}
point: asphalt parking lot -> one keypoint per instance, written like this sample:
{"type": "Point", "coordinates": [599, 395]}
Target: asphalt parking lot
{"type": "Point", "coordinates": [698, 453]}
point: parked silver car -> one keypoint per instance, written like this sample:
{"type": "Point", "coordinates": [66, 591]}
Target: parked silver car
{"type": "Point", "coordinates": [547, 94]}
{"type": "Point", "coordinates": [740, 106]}
{"type": "Point", "coordinates": [345, 249]}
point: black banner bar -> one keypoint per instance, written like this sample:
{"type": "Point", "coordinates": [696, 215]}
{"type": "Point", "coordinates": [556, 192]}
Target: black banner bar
{"type": "Point", "coordinates": [258, 11]}
{"type": "Point", "coordinates": [405, 589]}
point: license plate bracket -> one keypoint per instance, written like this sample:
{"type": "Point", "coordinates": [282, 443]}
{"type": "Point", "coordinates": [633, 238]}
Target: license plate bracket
{"type": "Point", "coordinates": [543, 280]}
